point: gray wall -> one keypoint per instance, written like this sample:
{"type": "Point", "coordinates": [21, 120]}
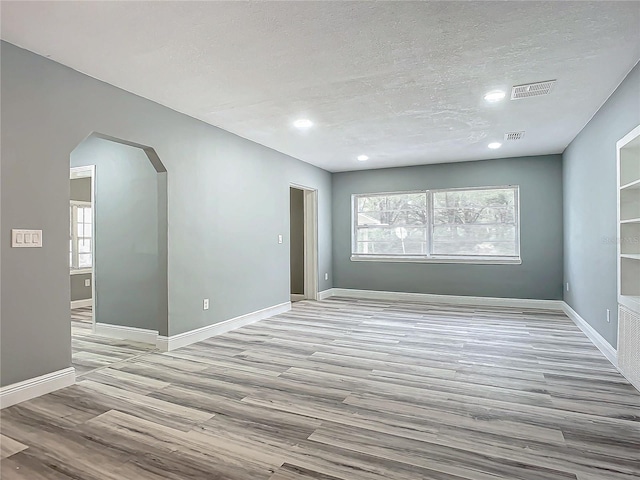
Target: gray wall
{"type": "Point", "coordinates": [126, 253]}
{"type": "Point", "coordinates": [590, 211]}
{"type": "Point", "coordinates": [78, 289]}
{"type": "Point", "coordinates": [296, 239]}
{"type": "Point", "coordinates": [81, 191]}
{"type": "Point", "coordinates": [228, 199]}
{"type": "Point", "coordinates": [538, 277]}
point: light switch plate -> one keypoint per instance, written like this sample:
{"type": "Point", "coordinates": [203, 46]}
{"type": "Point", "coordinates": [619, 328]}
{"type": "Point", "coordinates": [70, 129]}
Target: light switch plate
{"type": "Point", "coordinates": [21, 238]}
{"type": "Point", "coordinates": [87, 282]}
{"type": "Point", "coordinates": [279, 238]}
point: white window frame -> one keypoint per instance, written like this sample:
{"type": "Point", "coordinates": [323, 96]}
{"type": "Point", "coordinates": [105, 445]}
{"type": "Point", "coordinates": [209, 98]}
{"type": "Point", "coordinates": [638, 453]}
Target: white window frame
{"type": "Point", "coordinates": [430, 257]}
{"type": "Point", "coordinates": [73, 206]}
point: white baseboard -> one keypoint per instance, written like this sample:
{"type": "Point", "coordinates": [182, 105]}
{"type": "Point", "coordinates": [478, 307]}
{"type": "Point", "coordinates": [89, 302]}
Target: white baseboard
{"type": "Point", "coordinates": [323, 295]}
{"type": "Point", "coordinates": [597, 339]}
{"type": "Point", "coordinates": [448, 299]}
{"type": "Point", "coordinates": [126, 333]}
{"type": "Point", "coordinates": [88, 302]}
{"type": "Point", "coordinates": [34, 387]}
{"type": "Point", "coordinates": [166, 344]}
{"type": "Point", "coordinates": [296, 297]}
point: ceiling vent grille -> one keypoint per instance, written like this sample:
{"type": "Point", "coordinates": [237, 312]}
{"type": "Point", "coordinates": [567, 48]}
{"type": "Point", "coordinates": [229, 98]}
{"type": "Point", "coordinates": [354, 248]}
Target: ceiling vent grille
{"type": "Point", "coordinates": [532, 90]}
{"type": "Point", "coordinates": [513, 135]}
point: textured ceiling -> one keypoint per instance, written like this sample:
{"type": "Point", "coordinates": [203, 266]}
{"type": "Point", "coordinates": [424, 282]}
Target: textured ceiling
{"type": "Point", "coordinates": [401, 82]}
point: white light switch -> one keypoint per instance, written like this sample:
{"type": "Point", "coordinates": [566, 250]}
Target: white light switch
{"type": "Point", "coordinates": [26, 238]}
{"type": "Point", "coordinates": [87, 282]}
{"type": "Point", "coordinates": [279, 238]}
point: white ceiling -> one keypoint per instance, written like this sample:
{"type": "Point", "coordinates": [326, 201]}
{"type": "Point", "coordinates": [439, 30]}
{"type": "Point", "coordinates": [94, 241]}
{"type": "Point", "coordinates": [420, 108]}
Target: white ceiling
{"type": "Point", "coordinates": [399, 81]}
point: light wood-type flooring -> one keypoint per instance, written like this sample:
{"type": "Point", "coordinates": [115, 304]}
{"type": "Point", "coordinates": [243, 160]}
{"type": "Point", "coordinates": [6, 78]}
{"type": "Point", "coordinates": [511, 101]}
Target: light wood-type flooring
{"type": "Point", "coordinates": [344, 390]}
{"type": "Point", "coordinates": [90, 352]}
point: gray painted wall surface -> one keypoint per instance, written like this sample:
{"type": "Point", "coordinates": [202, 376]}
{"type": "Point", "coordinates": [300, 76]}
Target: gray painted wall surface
{"type": "Point", "coordinates": [590, 208]}
{"type": "Point", "coordinates": [126, 256]}
{"type": "Point", "coordinates": [539, 276]}
{"type": "Point", "coordinates": [296, 240]}
{"type": "Point", "coordinates": [80, 191]}
{"type": "Point", "coordinates": [228, 199]}
{"type": "Point", "coordinates": [78, 289]}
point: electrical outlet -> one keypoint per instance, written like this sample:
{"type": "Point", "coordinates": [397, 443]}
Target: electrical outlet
{"type": "Point", "coordinates": [567, 286]}
{"type": "Point", "coordinates": [205, 304]}
{"type": "Point", "coordinates": [326, 276]}
{"type": "Point", "coordinates": [87, 282]}
{"type": "Point", "coordinates": [279, 238]}
{"type": "Point", "coordinates": [608, 316]}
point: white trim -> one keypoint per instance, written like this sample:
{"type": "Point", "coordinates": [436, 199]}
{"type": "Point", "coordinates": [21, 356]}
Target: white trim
{"type": "Point", "coordinates": [126, 333]}
{"type": "Point", "coordinates": [323, 295]}
{"type": "Point", "coordinates": [34, 387]}
{"type": "Point", "coordinates": [87, 302]}
{"type": "Point", "coordinates": [475, 260]}
{"type": "Point", "coordinates": [447, 299]}
{"type": "Point", "coordinates": [597, 339]}
{"type": "Point", "coordinates": [166, 344]}
{"type": "Point", "coordinates": [296, 297]}
{"type": "Point", "coordinates": [80, 271]}
{"type": "Point", "coordinates": [310, 207]}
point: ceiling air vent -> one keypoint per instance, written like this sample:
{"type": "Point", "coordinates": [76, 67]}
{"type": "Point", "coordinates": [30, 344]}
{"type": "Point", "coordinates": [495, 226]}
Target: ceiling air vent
{"type": "Point", "coordinates": [532, 90]}
{"type": "Point", "coordinates": [513, 135]}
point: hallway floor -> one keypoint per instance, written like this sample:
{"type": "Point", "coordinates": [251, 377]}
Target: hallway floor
{"type": "Point", "coordinates": [90, 351]}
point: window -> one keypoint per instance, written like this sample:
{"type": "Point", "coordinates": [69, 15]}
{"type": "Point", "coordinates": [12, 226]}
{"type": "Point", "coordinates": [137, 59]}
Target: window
{"type": "Point", "coordinates": [80, 236]}
{"type": "Point", "coordinates": [474, 225]}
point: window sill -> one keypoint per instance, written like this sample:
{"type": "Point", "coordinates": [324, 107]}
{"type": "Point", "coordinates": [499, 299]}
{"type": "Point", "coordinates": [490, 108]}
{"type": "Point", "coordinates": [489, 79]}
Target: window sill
{"type": "Point", "coordinates": [81, 271]}
{"type": "Point", "coordinates": [463, 260]}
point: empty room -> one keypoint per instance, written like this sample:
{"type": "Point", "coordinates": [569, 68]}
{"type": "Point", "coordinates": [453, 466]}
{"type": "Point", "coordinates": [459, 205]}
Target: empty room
{"type": "Point", "coordinates": [320, 240]}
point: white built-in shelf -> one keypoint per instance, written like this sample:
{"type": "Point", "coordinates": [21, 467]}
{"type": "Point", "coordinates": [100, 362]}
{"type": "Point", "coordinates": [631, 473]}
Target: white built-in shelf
{"type": "Point", "coordinates": [628, 153]}
{"type": "Point", "coordinates": [631, 186]}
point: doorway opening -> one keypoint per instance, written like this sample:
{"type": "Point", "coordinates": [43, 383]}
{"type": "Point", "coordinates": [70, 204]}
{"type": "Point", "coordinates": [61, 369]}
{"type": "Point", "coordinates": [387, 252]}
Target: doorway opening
{"type": "Point", "coordinates": [118, 251]}
{"type": "Point", "coordinates": [303, 242]}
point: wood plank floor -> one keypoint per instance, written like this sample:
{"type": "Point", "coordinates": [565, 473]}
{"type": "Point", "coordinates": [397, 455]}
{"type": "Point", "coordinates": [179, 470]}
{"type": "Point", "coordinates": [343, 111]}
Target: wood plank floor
{"type": "Point", "coordinates": [345, 390]}
{"type": "Point", "coordinates": [90, 352]}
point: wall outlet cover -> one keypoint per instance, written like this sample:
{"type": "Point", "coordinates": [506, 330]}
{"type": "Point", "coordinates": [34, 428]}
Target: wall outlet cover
{"type": "Point", "coordinates": [205, 304]}
{"type": "Point", "coordinates": [87, 282]}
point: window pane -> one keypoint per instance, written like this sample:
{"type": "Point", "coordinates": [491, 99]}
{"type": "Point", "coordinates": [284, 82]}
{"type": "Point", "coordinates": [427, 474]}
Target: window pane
{"type": "Point", "coordinates": [80, 214]}
{"type": "Point", "coordinates": [84, 245]}
{"type": "Point", "coordinates": [474, 206]}
{"type": "Point", "coordinates": [87, 215]}
{"type": "Point", "coordinates": [87, 230]}
{"type": "Point", "coordinates": [399, 240]}
{"type": "Point", "coordinates": [84, 260]}
{"type": "Point", "coordinates": [472, 222]}
{"type": "Point", "coordinates": [391, 248]}
{"type": "Point", "coordinates": [474, 240]}
{"type": "Point", "coordinates": [392, 202]}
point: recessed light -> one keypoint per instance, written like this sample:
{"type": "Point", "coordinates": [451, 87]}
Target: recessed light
{"type": "Point", "coordinates": [362, 158]}
{"type": "Point", "coordinates": [494, 145]}
{"type": "Point", "coordinates": [494, 96]}
{"type": "Point", "coordinates": [303, 123]}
